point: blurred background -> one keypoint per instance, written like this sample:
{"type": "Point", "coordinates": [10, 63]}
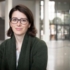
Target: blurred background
{"type": "Point", "coordinates": [52, 21]}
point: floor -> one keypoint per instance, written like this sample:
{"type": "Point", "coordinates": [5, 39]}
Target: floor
{"type": "Point", "coordinates": [58, 55]}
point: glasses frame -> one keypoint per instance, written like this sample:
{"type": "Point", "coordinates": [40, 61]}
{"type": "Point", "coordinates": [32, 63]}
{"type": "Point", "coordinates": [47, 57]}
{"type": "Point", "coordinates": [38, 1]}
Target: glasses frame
{"type": "Point", "coordinates": [15, 20]}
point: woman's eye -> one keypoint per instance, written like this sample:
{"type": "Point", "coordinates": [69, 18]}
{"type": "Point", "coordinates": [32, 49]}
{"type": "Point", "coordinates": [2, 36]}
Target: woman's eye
{"type": "Point", "coordinates": [23, 20]}
{"type": "Point", "coordinates": [15, 19]}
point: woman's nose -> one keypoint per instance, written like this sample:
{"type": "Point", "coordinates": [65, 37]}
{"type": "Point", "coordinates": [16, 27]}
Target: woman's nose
{"type": "Point", "coordinates": [19, 22]}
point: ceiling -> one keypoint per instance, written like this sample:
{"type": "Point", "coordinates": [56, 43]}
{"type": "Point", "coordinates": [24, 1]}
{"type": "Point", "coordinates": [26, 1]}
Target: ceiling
{"type": "Point", "coordinates": [53, 0]}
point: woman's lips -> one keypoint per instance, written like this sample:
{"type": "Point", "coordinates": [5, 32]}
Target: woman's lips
{"type": "Point", "coordinates": [18, 29]}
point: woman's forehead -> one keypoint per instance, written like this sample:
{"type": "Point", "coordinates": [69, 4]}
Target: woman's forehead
{"type": "Point", "coordinates": [18, 14]}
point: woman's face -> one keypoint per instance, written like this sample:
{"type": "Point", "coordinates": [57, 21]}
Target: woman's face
{"type": "Point", "coordinates": [19, 23]}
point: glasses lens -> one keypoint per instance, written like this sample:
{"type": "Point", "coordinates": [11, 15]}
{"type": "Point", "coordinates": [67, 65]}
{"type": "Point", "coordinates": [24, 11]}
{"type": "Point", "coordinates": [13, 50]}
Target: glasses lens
{"type": "Point", "coordinates": [14, 20]}
{"type": "Point", "coordinates": [23, 21]}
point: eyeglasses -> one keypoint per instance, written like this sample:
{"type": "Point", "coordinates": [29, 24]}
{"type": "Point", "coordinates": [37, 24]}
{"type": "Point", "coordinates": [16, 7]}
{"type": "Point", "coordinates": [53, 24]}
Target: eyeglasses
{"type": "Point", "coordinates": [22, 20]}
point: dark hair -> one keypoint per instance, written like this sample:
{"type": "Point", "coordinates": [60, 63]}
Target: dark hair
{"type": "Point", "coordinates": [32, 30]}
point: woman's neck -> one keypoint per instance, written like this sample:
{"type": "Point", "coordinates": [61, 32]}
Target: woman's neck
{"type": "Point", "coordinates": [19, 39]}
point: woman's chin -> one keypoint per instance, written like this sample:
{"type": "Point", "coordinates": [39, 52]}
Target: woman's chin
{"type": "Point", "coordinates": [19, 34]}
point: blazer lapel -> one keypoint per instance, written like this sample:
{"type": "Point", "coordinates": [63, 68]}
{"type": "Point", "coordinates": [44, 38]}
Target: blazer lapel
{"type": "Point", "coordinates": [11, 54]}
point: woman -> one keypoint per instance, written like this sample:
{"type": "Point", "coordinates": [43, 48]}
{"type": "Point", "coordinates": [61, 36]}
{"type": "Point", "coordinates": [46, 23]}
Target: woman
{"type": "Point", "coordinates": [22, 51]}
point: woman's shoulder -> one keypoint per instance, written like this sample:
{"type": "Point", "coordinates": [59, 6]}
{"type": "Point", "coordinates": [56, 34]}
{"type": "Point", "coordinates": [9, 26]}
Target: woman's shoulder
{"type": "Point", "coordinates": [37, 41]}
{"type": "Point", "coordinates": [3, 45]}
{"type": "Point", "coordinates": [5, 42]}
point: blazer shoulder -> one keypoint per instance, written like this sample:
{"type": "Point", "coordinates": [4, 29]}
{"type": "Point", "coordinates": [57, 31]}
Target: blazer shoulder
{"type": "Point", "coordinates": [5, 42]}
{"type": "Point", "coordinates": [38, 42]}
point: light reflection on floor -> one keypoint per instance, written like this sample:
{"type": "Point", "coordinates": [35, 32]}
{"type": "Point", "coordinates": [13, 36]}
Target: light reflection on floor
{"type": "Point", "coordinates": [58, 55]}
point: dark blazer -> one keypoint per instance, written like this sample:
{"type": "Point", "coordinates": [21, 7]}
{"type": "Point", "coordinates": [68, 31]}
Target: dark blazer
{"type": "Point", "coordinates": [33, 55]}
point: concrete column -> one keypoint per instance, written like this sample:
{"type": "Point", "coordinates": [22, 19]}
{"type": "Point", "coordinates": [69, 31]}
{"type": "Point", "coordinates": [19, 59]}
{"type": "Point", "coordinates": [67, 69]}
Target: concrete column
{"type": "Point", "coordinates": [46, 36]}
{"type": "Point", "coordinates": [8, 6]}
{"type": "Point", "coordinates": [37, 19]}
